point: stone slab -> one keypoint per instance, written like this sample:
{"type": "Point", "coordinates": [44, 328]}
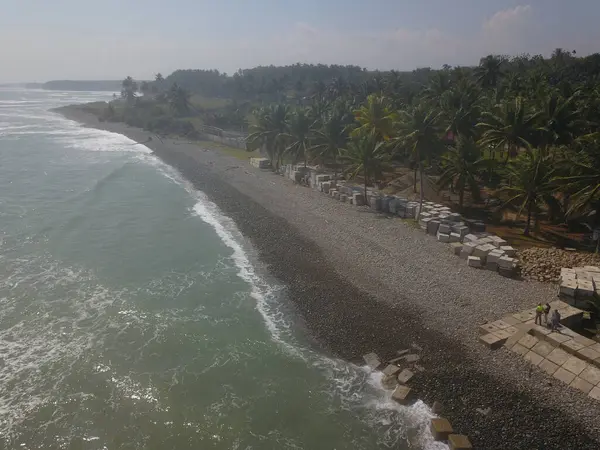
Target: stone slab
{"type": "Point", "coordinates": [591, 374]}
{"type": "Point", "coordinates": [389, 382]}
{"type": "Point", "coordinates": [548, 366]}
{"type": "Point", "coordinates": [595, 393]}
{"type": "Point", "coordinates": [540, 331]}
{"type": "Point", "coordinates": [459, 442]}
{"type": "Point", "coordinates": [524, 316]}
{"type": "Point", "coordinates": [528, 341]}
{"type": "Point", "coordinates": [519, 349]}
{"type": "Point", "coordinates": [441, 429]}
{"type": "Point", "coordinates": [582, 385]}
{"type": "Point", "coordinates": [512, 320]}
{"type": "Point", "coordinates": [402, 394]}
{"type": "Point", "coordinates": [542, 348]}
{"type": "Point", "coordinates": [492, 341]}
{"type": "Point", "coordinates": [556, 338]}
{"type": "Point", "coordinates": [405, 376]}
{"type": "Point", "coordinates": [391, 370]}
{"type": "Point", "coordinates": [586, 342]}
{"type": "Point", "coordinates": [558, 356]}
{"type": "Point", "coordinates": [588, 354]}
{"type": "Point", "coordinates": [571, 346]}
{"type": "Point", "coordinates": [504, 334]}
{"type": "Point", "coordinates": [456, 248]}
{"type": "Point", "coordinates": [501, 324]}
{"type": "Point", "coordinates": [575, 365]}
{"type": "Point", "coordinates": [372, 360]}
{"type": "Point", "coordinates": [474, 261]}
{"type": "Point", "coordinates": [533, 358]}
{"type": "Point", "coordinates": [564, 375]}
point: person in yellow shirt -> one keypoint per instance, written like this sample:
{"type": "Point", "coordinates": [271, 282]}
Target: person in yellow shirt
{"type": "Point", "coordinates": [539, 310]}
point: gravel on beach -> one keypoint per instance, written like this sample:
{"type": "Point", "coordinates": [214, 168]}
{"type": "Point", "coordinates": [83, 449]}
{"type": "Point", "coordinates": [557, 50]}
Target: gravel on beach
{"type": "Point", "coordinates": [363, 282]}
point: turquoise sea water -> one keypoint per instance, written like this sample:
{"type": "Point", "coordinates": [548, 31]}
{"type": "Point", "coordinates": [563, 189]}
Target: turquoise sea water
{"type": "Point", "coordinates": [133, 314]}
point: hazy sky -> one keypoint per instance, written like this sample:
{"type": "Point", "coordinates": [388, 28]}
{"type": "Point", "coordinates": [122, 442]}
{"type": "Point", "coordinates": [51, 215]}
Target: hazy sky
{"type": "Point", "coordinates": [84, 39]}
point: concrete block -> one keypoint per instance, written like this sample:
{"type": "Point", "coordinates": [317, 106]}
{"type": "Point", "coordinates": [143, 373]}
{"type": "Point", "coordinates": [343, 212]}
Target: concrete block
{"type": "Point", "coordinates": [337, 195]}
{"type": "Point", "coordinates": [483, 250]}
{"type": "Point", "coordinates": [520, 350]}
{"type": "Point", "coordinates": [405, 376]}
{"type": "Point", "coordinates": [391, 370]}
{"type": "Point", "coordinates": [582, 385]}
{"type": "Point", "coordinates": [528, 341]}
{"type": "Point", "coordinates": [595, 393]}
{"type": "Point", "coordinates": [588, 354]}
{"type": "Point", "coordinates": [506, 262]}
{"type": "Point", "coordinates": [424, 223]}
{"type": "Point", "coordinates": [575, 365]}
{"type": "Point", "coordinates": [443, 237]}
{"type": "Point", "coordinates": [432, 227]}
{"type": "Point", "coordinates": [548, 366]}
{"type": "Point", "coordinates": [488, 328]}
{"type": "Point", "coordinates": [358, 199]}
{"type": "Point", "coordinates": [558, 356]}
{"type": "Point", "coordinates": [470, 238]}
{"type": "Point", "coordinates": [454, 237]}
{"type": "Point", "coordinates": [456, 248]}
{"type": "Point", "coordinates": [571, 346]}
{"type": "Point", "coordinates": [533, 358]}
{"type": "Point", "coordinates": [543, 349]}
{"type": "Point", "coordinates": [557, 338]}
{"type": "Point", "coordinates": [492, 341]}
{"type": "Point", "coordinates": [494, 256]}
{"type": "Point", "coordinates": [372, 360]}
{"type": "Point", "coordinates": [444, 228]}
{"type": "Point", "coordinates": [564, 375]}
{"type": "Point", "coordinates": [343, 198]}
{"type": "Point", "coordinates": [474, 261]}
{"type": "Point", "coordinates": [459, 442]}
{"type": "Point", "coordinates": [491, 266]}
{"type": "Point", "coordinates": [402, 394]}
{"type": "Point", "coordinates": [441, 429]}
{"type": "Point", "coordinates": [591, 375]}
{"type": "Point", "coordinates": [585, 288]}
{"type": "Point", "coordinates": [510, 251]}
{"type": "Point", "coordinates": [467, 249]}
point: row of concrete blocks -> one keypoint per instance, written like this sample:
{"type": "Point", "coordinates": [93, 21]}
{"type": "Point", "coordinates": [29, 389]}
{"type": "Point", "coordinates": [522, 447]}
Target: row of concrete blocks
{"type": "Point", "coordinates": [580, 281]}
{"type": "Point", "coordinates": [441, 429]}
{"type": "Point", "coordinates": [398, 206]}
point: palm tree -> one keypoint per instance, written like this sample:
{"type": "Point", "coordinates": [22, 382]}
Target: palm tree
{"type": "Point", "coordinates": [330, 139]}
{"type": "Point", "coordinates": [509, 126]}
{"type": "Point", "coordinates": [462, 166]}
{"type": "Point", "coordinates": [560, 119]}
{"type": "Point", "coordinates": [128, 89]}
{"type": "Point", "coordinates": [419, 129]}
{"type": "Point", "coordinates": [375, 117]}
{"type": "Point", "coordinates": [489, 71]}
{"type": "Point", "coordinates": [366, 155]}
{"type": "Point", "coordinates": [460, 108]}
{"type": "Point", "coordinates": [581, 178]}
{"type": "Point", "coordinates": [531, 177]}
{"type": "Point", "coordinates": [179, 100]}
{"type": "Point", "coordinates": [270, 131]}
{"type": "Point", "coordinates": [300, 135]}
{"type": "Point", "coordinates": [439, 84]}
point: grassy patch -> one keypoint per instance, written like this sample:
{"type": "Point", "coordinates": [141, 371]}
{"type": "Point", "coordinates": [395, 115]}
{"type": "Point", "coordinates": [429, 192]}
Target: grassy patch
{"type": "Point", "coordinates": [210, 103]}
{"type": "Point", "coordinates": [231, 151]}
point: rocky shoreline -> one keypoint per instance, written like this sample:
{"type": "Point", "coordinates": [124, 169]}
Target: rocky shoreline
{"type": "Point", "coordinates": [364, 283]}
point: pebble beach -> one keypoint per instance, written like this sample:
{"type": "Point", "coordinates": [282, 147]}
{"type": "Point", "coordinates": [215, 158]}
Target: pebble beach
{"type": "Point", "coordinates": [362, 282]}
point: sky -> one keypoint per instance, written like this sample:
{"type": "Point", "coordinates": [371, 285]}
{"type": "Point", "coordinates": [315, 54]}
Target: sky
{"type": "Point", "coordinates": [42, 40]}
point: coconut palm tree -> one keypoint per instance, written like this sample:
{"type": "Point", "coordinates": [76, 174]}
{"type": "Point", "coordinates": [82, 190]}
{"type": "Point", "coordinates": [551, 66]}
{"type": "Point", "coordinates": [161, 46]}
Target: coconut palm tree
{"type": "Point", "coordinates": [509, 127]}
{"type": "Point", "coordinates": [128, 89]}
{"type": "Point", "coordinates": [271, 132]}
{"type": "Point", "coordinates": [531, 177]}
{"type": "Point", "coordinates": [300, 135]}
{"type": "Point", "coordinates": [179, 100]}
{"type": "Point", "coordinates": [461, 168]}
{"type": "Point", "coordinates": [375, 117]}
{"type": "Point", "coordinates": [489, 71]}
{"type": "Point", "coordinates": [560, 120]}
{"type": "Point", "coordinates": [420, 130]}
{"type": "Point", "coordinates": [365, 155]}
{"type": "Point", "coordinates": [330, 139]}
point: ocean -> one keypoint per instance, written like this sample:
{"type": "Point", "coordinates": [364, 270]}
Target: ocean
{"type": "Point", "coordinates": [134, 315]}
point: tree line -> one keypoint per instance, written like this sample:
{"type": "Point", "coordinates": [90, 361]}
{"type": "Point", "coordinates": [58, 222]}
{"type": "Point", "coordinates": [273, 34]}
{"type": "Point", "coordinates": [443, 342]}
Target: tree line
{"type": "Point", "coordinates": [523, 130]}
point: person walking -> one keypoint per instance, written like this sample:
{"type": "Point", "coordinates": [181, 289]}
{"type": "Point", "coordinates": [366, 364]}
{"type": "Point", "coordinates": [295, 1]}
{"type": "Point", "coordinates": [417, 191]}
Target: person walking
{"type": "Point", "coordinates": [546, 312]}
{"type": "Point", "coordinates": [539, 310]}
{"type": "Point", "coordinates": [555, 320]}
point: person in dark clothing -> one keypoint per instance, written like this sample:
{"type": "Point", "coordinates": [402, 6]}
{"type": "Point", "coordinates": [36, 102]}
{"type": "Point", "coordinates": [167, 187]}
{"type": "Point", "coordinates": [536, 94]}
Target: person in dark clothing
{"type": "Point", "coordinates": [546, 312]}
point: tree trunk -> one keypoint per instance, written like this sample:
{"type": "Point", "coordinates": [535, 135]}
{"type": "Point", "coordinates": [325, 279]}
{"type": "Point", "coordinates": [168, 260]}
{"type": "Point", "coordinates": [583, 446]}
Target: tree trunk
{"type": "Point", "coordinates": [461, 197]}
{"type": "Point", "coordinates": [415, 179]}
{"type": "Point", "coordinates": [334, 168]}
{"type": "Point", "coordinates": [529, 210]}
{"type": "Point", "coordinates": [421, 189]}
{"type": "Point", "coordinates": [366, 181]}
{"type": "Point", "coordinates": [566, 203]}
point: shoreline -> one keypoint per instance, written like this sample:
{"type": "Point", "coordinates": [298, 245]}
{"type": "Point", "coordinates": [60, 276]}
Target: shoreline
{"type": "Point", "coordinates": [331, 268]}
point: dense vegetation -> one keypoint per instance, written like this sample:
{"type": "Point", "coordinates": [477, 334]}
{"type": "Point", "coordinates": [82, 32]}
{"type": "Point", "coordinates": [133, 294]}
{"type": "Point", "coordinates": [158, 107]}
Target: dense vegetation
{"type": "Point", "coordinates": [522, 130]}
